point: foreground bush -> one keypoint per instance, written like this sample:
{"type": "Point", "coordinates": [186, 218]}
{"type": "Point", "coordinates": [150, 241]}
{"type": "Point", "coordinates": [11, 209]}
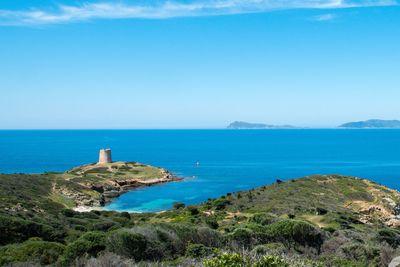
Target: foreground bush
{"type": "Point", "coordinates": [190, 234]}
{"type": "Point", "coordinates": [361, 252]}
{"type": "Point", "coordinates": [271, 248]}
{"type": "Point", "coordinates": [238, 260]}
{"type": "Point", "coordinates": [159, 241]}
{"type": "Point", "coordinates": [106, 259]}
{"type": "Point", "coordinates": [13, 230]}
{"type": "Point", "coordinates": [90, 244]}
{"type": "Point", "coordinates": [226, 260]}
{"type": "Point", "coordinates": [242, 236]}
{"type": "Point", "coordinates": [198, 251]}
{"type": "Point", "coordinates": [293, 231]}
{"type": "Point", "coordinates": [129, 244]}
{"type": "Point", "coordinates": [263, 218]}
{"type": "Point", "coordinates": [32, 250]}
{"type": "Point", "coordinates": [270, 261]}
{"type": "Point", "coordinates": [389, 236]}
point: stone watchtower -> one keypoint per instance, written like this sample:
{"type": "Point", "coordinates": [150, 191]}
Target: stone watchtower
{"type": "Point", "coordinates": [105, 156]}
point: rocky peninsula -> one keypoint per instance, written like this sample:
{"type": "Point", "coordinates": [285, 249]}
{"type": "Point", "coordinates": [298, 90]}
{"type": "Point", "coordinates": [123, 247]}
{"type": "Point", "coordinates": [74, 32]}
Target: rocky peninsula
{"type": "Point", "coordinates": [91, 186]}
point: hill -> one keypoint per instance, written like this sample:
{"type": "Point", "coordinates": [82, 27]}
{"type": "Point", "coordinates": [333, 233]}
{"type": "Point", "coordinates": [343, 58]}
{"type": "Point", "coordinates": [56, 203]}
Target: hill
{"type": "Point", "coordinates": [105, 181]}
{"type": "Point", "coordinates": [372, 124]}
{"type": "Point", "coordinates": [328, 220]}
{"type": "Point", "coordinates": [248, 125]}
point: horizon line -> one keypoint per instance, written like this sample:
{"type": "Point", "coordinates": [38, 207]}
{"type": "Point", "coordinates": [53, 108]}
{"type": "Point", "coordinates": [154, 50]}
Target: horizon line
{"type": "Point", "coordinates": [174, 129]}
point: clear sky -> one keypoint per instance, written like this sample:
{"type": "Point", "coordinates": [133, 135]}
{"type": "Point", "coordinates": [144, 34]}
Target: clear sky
{"type": "Point", "coordinates": [197, 64]}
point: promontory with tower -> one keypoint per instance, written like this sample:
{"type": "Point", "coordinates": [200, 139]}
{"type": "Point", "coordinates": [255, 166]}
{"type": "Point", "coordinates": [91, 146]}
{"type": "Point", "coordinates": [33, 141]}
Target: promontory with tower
{"type": "Point", "coordinates": [93, 185]}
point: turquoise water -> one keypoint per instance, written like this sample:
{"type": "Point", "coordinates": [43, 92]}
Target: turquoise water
{"type": "Point", "coordinates": [229, 160]}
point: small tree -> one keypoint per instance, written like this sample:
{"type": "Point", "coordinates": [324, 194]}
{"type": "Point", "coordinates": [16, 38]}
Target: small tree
{"type": "Point", "coordinates": [193, 211]}
{"type": "Point", "coordinates": [178, 205]}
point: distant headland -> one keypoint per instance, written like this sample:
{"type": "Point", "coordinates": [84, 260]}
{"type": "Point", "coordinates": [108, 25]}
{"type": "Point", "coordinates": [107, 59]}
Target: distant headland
{"type": "Point", "coordinates": [372, 124]}
{"type": "Point", "coordinates": [367, 124]}
{"type": "Point", "coordinates": [249, 125]}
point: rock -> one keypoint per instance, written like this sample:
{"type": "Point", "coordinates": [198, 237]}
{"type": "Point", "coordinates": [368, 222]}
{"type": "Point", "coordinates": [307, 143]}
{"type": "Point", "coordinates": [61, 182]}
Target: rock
{"type": "Point", "coordinates": [395, 223]}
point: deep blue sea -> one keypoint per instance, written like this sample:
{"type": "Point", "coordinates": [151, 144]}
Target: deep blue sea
{"type": "Point", "coordinates": [229, 160]}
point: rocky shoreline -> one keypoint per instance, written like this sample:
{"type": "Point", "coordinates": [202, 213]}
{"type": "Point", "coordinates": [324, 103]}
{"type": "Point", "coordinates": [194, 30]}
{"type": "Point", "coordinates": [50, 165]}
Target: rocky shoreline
{"type": "Point", "coordinates": [114, 189]}
{"type": "Point", "coordinates": [109, 192]}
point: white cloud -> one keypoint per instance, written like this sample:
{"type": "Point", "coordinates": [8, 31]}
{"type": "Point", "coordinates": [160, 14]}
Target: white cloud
{"type": "Point", "coordinates": [324, 17]}
{"type": "Point", "coordinates": [168, 9]}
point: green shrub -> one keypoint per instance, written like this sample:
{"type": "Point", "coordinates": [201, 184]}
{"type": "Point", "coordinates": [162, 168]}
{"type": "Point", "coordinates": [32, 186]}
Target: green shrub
{"type": "Point", "coordinates": [256, 228]}
{"type": "Point", "coordinates": [198, 251]}
{"type": "Point", "coordinates": [342, 262]}
{"type": "Point", "coordinates": [271, 248]}
{"type": "Point", "coordinates": [85, 215]}
{"type": "Point", "coordinates": [270, 261]}
{"type": "Point", "coordinates": [293, 231]}
{"type": "Point", "coordinates": [389, 236]}
{"type": "Point", "coordinates": [104, 225]}
{"type": "Point", "coordinates": [226, 260]}
{"type": "Point", "coordinates": [90, 243]}
{"type": "Point", "coordinates": [170, 243]}
{"type": "Point", "coordinates": [192, 234]}
{"type": "Point", "coordinates": [68, 212]}
{"type": "Point", "coordinates": [128, 244]}
{"type": "Point", "coordinates": [125, 215]}
{"type": "Point", "coordinates": [361, 252]}
{"type": "Point", "coordinates": [193, 211]}
{"type": "Point", "coordinates": [178, 205]}
{"type": "Point", "coordinates": [212, 222]}
{"type": "Point", "coordinates": [346, 220]}
{"type": "Point", "coordinates": [220, 203]}
{"type": "Point", "coordinates": [80, 228]}
{"type": "Point", "coordinates": [243, 236]}
{"type": "Point", "coordinates": [32, 250]}
{"type": "Point", "coordinates": [262, 218]}
{"type": "Point", "coordinates": [13, 230]}
{"type": "Point", "coordinates": [160, 241]}
{"type": "Point", "coordinates": [208, 237]}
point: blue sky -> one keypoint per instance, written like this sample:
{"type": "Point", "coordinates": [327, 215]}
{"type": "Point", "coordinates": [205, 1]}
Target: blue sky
{"type": "Point", "coordinates": [197, 64]}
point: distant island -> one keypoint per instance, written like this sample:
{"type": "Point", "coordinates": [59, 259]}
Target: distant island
{"type": "Point", "coordinates": [372, 124]}
{"type": "Point", "coordinates": [249, 125]}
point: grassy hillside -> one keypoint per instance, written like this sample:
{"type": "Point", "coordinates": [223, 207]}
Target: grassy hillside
{"type": "Point", "coordinates": [313, 221]}
{"type": "Point", "coordinates": [116, 171]}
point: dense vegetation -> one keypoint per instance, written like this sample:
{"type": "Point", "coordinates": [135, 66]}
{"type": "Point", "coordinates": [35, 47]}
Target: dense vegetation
{"type": "Point", "coordinates": [313, 221]}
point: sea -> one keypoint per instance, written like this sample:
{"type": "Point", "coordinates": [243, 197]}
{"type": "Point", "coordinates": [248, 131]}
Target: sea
{"type": "Point", "coordinates": [212, 162]}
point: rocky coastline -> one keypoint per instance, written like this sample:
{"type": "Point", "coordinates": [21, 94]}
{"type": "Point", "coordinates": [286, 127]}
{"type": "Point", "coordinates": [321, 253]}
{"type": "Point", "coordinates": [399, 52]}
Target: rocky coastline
{"type": "Point", "coordinates": [117, 188]}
